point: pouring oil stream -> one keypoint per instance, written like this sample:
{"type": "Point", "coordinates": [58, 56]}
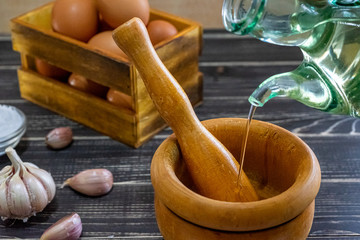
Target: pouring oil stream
{"type": "Point", "coordinates": [244, 143]}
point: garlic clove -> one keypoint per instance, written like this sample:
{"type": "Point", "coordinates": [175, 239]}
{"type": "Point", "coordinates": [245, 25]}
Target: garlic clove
{"type": "Point", "coordinates": [37, 193]}
{"type": "Point", "coordinates": [4, 210]}
{"type": "Point", "coordinates": [4, 173]}
{"type": "Point", "coordinates": [45, 178]}
{"type": "Point", "coordinates": [18, 200]}
{"type": "Point", "coordinates": [67, 228]}
{"type": "Point", "coordinates": [59, 137]}
{"type": "Point", "coordinates": [91, 182]}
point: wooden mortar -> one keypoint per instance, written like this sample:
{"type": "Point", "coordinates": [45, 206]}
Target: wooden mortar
{"type": "Point", "coordinates": [213, 169]}
{"type": "Point", "coordinates": [283, 169]}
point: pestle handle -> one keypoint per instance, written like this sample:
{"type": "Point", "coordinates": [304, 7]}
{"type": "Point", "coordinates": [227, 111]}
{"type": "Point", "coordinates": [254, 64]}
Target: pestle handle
{"type": "Point", "coordinates": [213, 169]}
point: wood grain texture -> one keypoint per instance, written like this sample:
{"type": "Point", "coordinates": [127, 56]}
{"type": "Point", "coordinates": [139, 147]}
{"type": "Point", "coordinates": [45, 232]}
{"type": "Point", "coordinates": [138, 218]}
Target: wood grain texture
{"type": "Point", "coordinates": [231, 72]}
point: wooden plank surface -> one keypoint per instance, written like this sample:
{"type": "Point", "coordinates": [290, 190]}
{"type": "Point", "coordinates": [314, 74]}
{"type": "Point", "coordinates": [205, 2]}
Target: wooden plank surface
{"type": "Point", "coordinates": [232, 68]}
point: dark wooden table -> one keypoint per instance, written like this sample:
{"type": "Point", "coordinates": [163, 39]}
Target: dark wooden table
{"type": "Point", "coordinates": [232, 68]}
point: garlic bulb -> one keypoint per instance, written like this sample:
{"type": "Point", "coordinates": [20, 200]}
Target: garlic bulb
{"type": "Point", "coordinates": [25, 189]}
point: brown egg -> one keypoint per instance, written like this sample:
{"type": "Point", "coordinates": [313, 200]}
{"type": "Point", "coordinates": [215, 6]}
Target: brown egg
{"type": "Point", "coordinates": [49, 70]}
{"type": "Point", "coordinates": [116, 12]}
{"type": "Point", "coordinates": [160, 30]}
{"type": "Point", "coordinates": [119, 99]}
{"type": "Point", "coordinates": [105, 42]}
{"type": "Point", "coordinates": [83, 84]}
{"type": "Point", "coordinates": [75, 18]}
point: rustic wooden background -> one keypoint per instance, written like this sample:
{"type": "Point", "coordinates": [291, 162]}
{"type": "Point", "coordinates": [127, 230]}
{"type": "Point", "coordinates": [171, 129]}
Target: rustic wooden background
{"type": "Point", "coordinates": [207, 12]}
{"type": "Point", "coordinates": [232, 68]}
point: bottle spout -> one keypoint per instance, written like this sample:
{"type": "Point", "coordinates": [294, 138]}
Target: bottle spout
{"type": "Point", "coordinates": [303, 84]}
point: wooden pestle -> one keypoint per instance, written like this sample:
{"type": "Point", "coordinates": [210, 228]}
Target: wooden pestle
{"type": "Point", "coordinates": [212, 167]}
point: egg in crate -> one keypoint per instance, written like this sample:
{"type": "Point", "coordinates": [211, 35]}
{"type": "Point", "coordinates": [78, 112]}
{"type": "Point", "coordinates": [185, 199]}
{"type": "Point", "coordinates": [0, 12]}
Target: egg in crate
{"type": "Point", "coordinates": [160, 30]}
{"type": "Point", "coordinates": [104, 41]}
{"type": "Point", "coordinates": [49, 70]}
{"type": "Point", "coordinates": [83, 84]}
{"type": "Point", "coordinates": [118, 98]}
{"type": "Point", "coordinates": [77, 19]}
{"type": "Point", "coordinates": [117, 12]}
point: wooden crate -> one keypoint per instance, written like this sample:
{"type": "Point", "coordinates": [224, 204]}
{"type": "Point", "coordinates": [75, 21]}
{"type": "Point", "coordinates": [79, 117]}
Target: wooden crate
{"type": "Point", "coordinates": [33, 38]}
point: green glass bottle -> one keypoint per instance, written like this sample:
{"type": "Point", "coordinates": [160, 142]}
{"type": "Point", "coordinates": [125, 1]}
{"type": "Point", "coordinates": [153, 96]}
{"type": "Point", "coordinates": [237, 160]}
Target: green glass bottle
{"type": "Point", "coordinates": [327, 32]}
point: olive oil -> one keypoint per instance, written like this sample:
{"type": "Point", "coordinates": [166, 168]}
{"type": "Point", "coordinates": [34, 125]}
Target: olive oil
{"type": "Point", "coordinates": [244, 142]}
